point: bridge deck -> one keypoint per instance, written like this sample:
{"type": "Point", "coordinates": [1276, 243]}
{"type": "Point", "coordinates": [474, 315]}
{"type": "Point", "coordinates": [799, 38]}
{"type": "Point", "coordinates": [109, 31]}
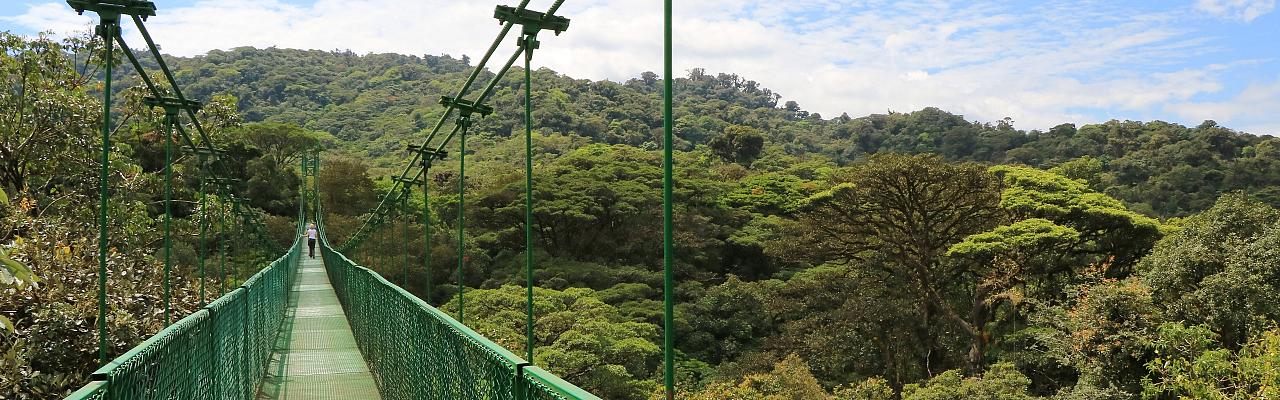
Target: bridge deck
{"type": "Point", "coordinates": [315, 356]}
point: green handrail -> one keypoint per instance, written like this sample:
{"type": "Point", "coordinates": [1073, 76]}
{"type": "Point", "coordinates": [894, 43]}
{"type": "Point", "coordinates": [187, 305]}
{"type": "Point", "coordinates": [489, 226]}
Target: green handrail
{"type": "Point", "coordinates": [220, 351]}
{"type": "Point", "coordinates": [418, 352]}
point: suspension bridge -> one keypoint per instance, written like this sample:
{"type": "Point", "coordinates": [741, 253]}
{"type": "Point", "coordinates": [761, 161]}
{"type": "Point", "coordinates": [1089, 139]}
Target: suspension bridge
{"type": "Point", "coordinates": [327, 327]}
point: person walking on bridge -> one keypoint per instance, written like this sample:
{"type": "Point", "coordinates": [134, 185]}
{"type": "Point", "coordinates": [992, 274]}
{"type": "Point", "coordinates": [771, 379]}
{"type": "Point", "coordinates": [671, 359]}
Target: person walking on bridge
{"type": "Point", "coordinates": [311, 239]}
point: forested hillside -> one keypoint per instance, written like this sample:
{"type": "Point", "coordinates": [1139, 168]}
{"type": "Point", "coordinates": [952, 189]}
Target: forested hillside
{"type": "Point", "coordinates": [373, 105]}
{"type": "Point", "coordinates": [907, 255]}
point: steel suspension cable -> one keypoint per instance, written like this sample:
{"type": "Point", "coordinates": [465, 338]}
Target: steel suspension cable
{"type": "Point", "coordinates": [151, 86]}
{"type": "Point", "coordinates": [169, 116]}
{"type": "Point", "coordinates": [668, 227]}
{"type": "Point", "coordinates": [475, 73]}
{"type": "Point", "coordinates": [108, 30]}
{"type": "Point", "coordinates": [382, 248]}
{"type": "Point", "coordinates": [155, 91]}
{"type": "Point", "coordinates": [464, 122]}
{"type": "Point", "coordinates": [235, 239]}
{"type": "Point", "coordinates": [484, 95]}
{"type": "Point", "coordinates": [404, 237]}
{"type": "Point", "coordinates": [187, 105]}
{"type": "Point", "coordinates": [107, 27]}
{"type": "Point", "coordinates": [222, 243]}
{"type": "Point", "coordinates": [529, 43]}
{"type": "Point", "coordinates": [204, 218]}
{"type": "Point", "coordinates": [426, 226]}
{"type": "Point", "coordinates": [173, 85]}
{"type": "Point", "coordinates": [387, 200]}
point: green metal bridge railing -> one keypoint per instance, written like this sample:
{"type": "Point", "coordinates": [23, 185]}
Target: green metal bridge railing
{"type": "Point", "coordinates": [413, 350]}
{"type": "Point", "coordinates": [220, 351]}
{"type": "Point", "coordinates": [418, 352]}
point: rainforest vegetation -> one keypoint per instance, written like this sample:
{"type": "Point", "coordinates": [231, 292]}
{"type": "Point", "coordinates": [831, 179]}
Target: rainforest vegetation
{"type": "Point", "coordinates": [905, 255]}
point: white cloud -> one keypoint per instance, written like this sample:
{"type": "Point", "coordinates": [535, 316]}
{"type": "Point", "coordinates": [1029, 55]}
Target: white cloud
{"type": "Point", "coordinates": [1244, 10]}
{"type": "Point", "coordinates": [1253, 110]}
{"type": "Point", "coordinates": [55, 17]}
{"type": "Point", "coordinates": [1055, 63]}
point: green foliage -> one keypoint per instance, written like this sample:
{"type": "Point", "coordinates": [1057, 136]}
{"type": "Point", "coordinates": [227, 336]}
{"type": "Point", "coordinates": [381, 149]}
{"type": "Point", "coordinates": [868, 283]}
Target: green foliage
{"type": "Point", "coordinates": [1045, 194]}
{"type": "Point", "coordinates": [1108, 331]}
{"type": "Point", "coordinates": [891, 202]}
{"type": "Point", "coordinates": [345, 187]}
{"type": "Point", "coordinates": [1190, 363]}
{"type": "Point", "coordinates": [47, 120]}
{"type": "Point", "coordinates": [874, 388]}
{"type": "Point", "coordinates": [789, 380]}
{"type": "Point", "coordinates": [283, 144]}
{"type": "Point", "coordinates": [579, 337]}
{"type": "Point", "coordinates": [49, 144]}
{"type": "Point", "coordinates": [723, 321]}
{"type": "Point", "coordinates": [1001, 382]}
{"type": "Point", "coordinates": [740, 144]}
{"type": "Point", "coordinates": [1101, 335]}
{"type": "Point", "coordinates": [1219, 269]}
{"type": "Point", "coordinates": [13, 272]}
{"type": "Point", "coordinates": [1103, 227]}
{"type": "Point", "coordinates": [373, 103]}
{"type": "Point", "coordinates": [770, 193]}
{"type": "Point", "coordinates": [590, 199]}
{"type": "Point", "coordinates": [54, 346]}
{"type": "Point", "coordinates": [1025, 236]}
{"type": "Point", "coordinates": [272, 181]}
{"type": "Point", "coordinates": [812, 253]}
{"type": "Point", "coordinates": [850, 322]}
{"type": "Point", "coordinates": [1087, 169]}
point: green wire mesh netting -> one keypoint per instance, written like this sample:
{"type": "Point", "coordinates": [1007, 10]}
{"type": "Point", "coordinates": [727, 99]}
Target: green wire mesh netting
{"type": "Point", "coordinates": [413, 350]}
{"type": "Point", "coordinates": [417, 352]}
{"type": "Point", "coordinates": [218, 352]}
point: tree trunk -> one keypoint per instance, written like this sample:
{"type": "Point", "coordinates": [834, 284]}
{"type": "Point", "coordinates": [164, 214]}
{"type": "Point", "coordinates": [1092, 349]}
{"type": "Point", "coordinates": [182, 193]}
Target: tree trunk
{"type": "Point", "coordinates": [979, 315]}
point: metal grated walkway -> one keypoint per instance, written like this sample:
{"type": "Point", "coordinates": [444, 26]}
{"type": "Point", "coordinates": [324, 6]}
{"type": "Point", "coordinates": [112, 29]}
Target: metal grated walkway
{"type": "Point", "coordinates": [316, 356]}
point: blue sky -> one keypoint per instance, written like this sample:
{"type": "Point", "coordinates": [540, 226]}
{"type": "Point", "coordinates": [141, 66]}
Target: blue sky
{"type": "Point", "coordinates": [1039, 63]}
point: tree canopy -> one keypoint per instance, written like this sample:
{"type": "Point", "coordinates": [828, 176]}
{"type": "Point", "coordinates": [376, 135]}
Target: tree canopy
{"type": "Point", "coordinates": [912, 255]}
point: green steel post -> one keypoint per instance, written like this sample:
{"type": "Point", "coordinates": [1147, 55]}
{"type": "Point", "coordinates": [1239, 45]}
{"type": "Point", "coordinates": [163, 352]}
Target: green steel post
{"type": "Point", "coordinates": [530, 42]}
{"type": "Point", "coordinates": [244, 341]}
{"type": "Point", "coordinates": [169, 116]}
{"type": "Point", "coordinates": [380, 241]}
{"type": "Point", "coordinates": [315, 187]}
{"type": "Point", "coordinates": [382, 250]}
{"type": "Point", "coordinates": [404, 237]}
{"type": "Point", "coordinates": [222, 243]}
{"type": "Point", "coordinates": [305, 189]}
{"type": "Point", "coordinates": [426, 225]}
{"type": "Point", "coordinates": [203, 226]}
{"type": "Point", "coordinates": [107, 26]}
{"type": "Point", "coordinates": [668, 245]}
{"type": "Point", "coordinates": [236, 227]}
{"type": "Point", "coordinates": [462, 216]}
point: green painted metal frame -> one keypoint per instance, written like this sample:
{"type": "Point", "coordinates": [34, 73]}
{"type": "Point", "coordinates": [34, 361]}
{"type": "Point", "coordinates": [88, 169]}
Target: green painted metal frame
{"type": "Point", "coordinates": [416, 351]}
{"type": "Point", "coordinates": [668, 226]}
{"type": "Point", "coordinates": [240, 326]}
{"type": "Point", "coordinates": [220, 351]}
{"type": "Point", "coordinates": [415, 167]}
{"type": "Point", "coordinates": [531, 22]}
{"type": "Point", "coordinates": [108, 28]}
{"type": "Point", "coordinates": [171, 106]}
